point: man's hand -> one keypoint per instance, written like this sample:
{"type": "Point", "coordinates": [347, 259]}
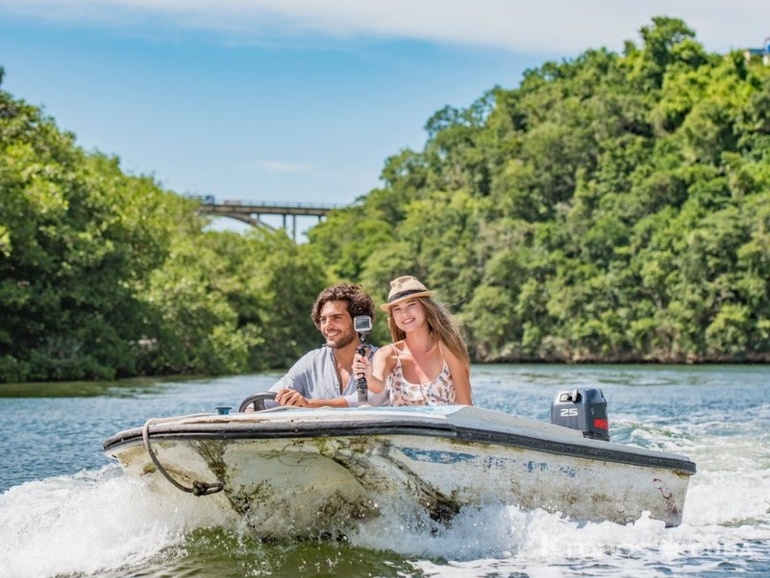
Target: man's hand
{"type": "Point", "coordinates": [291, 397]}
{"type": "Point", "coordinates": [294, 398]}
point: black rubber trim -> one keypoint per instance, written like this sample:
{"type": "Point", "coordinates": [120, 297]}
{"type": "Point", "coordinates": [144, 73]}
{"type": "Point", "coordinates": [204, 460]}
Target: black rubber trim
{"type": "Point", "coordinates": [609, 453]}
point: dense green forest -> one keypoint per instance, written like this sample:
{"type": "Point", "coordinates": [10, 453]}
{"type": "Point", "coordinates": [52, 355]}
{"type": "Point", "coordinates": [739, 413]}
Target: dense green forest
{"type": "Point", "coordinates": [614, 207]}
{"type": "Point", "coordinates": [105, 275]}
{"type": "Point", "coordinates": [611, 208]}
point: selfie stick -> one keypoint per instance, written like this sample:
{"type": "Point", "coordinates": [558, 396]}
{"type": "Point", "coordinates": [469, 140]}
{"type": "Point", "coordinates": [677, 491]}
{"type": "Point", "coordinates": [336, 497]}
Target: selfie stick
{"type": "Point", "coordinates": [363, 390]}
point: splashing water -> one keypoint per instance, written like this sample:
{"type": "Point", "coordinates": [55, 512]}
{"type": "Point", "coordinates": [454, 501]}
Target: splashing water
{"type": "Point", "coordinates": [97, 522]}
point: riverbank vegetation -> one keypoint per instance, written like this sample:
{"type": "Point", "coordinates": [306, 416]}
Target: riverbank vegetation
{"type": "Point", "coordinates": [106, 275]}
{"type": "Point", "coordinates": [614, 207]}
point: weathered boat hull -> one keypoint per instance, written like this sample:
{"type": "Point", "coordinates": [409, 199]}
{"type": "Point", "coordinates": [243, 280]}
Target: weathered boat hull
{"type": "Point", "coordinates": [309, 472]}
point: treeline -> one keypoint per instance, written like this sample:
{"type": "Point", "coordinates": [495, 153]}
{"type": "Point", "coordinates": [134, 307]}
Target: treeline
{"type": "Point", "coordinates": [105, 275]}
{"type": "Point", "coordinates": [615, 207]}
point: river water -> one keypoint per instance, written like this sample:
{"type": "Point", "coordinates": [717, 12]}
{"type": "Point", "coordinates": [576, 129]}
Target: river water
{"type": "Point", "coordinates": [67, 511]}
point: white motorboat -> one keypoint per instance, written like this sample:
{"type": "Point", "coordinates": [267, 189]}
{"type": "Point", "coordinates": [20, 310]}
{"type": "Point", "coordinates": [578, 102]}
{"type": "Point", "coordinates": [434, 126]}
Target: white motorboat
{"type": "Point", "coordinates": [314, 472]}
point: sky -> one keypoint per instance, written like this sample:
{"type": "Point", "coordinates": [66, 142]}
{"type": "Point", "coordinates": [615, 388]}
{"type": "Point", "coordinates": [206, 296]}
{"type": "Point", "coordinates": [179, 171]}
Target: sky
{"type": "Point", "coordinates": [301, 101]}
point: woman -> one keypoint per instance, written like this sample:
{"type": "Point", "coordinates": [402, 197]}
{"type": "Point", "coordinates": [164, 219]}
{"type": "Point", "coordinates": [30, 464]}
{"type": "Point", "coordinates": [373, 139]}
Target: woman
{"type": "Point", "coordinates": [428, 362]}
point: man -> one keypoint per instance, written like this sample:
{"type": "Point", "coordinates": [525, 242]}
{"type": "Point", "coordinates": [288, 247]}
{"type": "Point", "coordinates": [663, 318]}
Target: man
{"type": "Point", "coordinates": [324, 376]}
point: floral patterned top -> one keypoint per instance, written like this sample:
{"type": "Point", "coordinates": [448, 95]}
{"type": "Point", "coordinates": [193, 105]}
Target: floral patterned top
{"type": "Point", "coordinates": [440, 391]}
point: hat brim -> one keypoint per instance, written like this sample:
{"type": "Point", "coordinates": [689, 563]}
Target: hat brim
{"type": "Point", "coordinates": [389, 304]}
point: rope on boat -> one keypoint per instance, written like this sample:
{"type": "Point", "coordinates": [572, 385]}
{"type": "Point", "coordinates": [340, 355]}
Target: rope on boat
{"type": "Point", "coordinates": [197, 489]}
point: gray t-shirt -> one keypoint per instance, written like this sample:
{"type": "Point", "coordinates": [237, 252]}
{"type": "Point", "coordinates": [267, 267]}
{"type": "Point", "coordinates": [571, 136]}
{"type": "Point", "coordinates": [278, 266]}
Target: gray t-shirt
{"type": "Point", "coordinates": [315, 377]}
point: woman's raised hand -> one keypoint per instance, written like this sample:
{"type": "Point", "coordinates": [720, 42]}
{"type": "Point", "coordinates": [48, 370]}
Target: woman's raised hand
{"type": "Point", "coordinates": [362, 367]}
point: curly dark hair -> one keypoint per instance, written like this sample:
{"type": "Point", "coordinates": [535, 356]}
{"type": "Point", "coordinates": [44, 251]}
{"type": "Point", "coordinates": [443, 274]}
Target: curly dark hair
{"type": "Point", "coordinates": [359, 302]}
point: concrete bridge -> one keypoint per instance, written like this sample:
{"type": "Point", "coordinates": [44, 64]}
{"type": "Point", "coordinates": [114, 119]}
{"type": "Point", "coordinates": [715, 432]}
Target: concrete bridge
{"type": "Point", "coordinates": [251, 212]}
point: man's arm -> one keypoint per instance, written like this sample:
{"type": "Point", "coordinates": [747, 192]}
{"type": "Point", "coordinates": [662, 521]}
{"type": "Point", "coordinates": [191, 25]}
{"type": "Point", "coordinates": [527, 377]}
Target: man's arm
{"type": "Point", "coordinates": [298, 377]}
{"type": "Point", "coordinates": [294, 398]}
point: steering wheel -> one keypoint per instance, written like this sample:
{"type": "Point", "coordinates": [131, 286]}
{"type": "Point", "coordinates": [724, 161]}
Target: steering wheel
{"type": "Point", "coordinates": [257, 400]}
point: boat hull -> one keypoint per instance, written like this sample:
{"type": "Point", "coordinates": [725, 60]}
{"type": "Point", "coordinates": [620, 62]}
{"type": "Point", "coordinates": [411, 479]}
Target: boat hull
{"type": "Point", "coordinates": [310, 472]}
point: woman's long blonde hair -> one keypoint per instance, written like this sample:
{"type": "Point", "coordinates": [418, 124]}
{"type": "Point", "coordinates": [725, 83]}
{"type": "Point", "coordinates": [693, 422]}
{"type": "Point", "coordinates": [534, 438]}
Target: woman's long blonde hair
{"type": "Point", "coordinates": [442, 327]}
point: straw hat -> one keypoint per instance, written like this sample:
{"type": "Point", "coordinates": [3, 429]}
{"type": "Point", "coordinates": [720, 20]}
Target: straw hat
{"type": "Point", "coordinates": [405, 287]}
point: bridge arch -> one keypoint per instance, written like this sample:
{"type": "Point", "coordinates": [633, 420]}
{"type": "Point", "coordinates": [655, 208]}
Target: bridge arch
{"type": "Point", "coordinates": [251, 213]}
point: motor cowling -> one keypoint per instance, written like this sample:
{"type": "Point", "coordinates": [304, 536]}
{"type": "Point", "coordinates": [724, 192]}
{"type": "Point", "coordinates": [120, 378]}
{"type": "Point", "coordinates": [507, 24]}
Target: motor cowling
{"type": "Point", "coordinates": [583, 409]}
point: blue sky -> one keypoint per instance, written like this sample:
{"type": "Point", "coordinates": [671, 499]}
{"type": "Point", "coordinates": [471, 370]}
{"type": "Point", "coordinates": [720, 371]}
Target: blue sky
{"type": "Point", "coordinates": [300, 100]}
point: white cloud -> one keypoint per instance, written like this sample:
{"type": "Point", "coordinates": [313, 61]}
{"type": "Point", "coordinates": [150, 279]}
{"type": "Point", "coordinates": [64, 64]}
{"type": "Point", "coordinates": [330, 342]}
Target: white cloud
{"type": "Point", "coordinates": [550, 26]}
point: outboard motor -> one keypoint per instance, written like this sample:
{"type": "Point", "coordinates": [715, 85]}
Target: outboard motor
{"type": "Point", "coordinates": [584, 409]}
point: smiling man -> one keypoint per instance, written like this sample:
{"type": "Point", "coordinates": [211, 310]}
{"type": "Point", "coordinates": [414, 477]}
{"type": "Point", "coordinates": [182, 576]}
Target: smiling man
{"type": "Point", "coordinates": [324, 376]}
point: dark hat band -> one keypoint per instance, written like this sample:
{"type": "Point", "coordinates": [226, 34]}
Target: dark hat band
{"type": "Point", "coordinates": [403, 294]}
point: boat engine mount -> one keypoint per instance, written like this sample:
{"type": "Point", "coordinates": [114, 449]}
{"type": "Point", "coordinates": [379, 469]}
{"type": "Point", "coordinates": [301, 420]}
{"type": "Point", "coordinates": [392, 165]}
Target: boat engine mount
{"type": "Point", "coordinates": [583, 409]}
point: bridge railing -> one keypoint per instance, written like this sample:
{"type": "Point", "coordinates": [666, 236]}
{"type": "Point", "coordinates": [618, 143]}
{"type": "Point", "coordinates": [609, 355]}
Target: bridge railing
{"type": "Point", "coordinates": [211, 200]}
{"type": "Point", "coordinates": [278, 204]}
